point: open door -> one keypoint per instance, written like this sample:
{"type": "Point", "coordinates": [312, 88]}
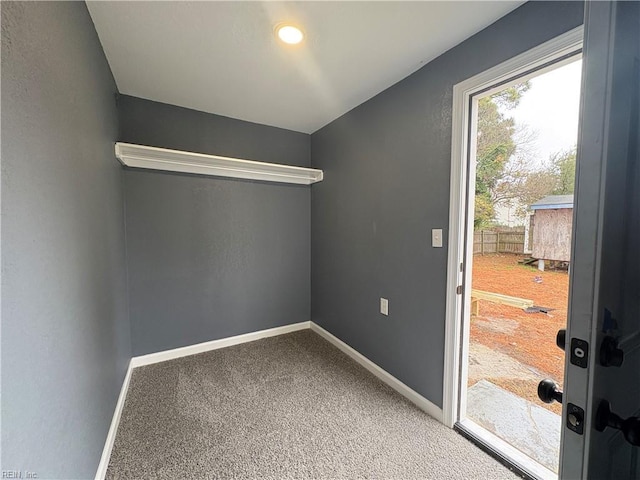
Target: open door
{"type": "Point", "coordinates": [601, 401]}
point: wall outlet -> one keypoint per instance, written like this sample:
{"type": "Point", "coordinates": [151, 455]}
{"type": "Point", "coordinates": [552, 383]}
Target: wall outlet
{"type": "Point", "coordinates": [384, 306]}
{"type": "Point", "coordinates": [436, 237]}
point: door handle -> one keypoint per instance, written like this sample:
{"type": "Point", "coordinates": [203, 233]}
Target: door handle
{"type": "Point", "coordinates": [548, 391]}
{"type": "Point", "coordinates": [561, 339]}
{"type": "Point", "coordinates": [630, 427]}
{"type": "Point", "coordinates": [610, 354]}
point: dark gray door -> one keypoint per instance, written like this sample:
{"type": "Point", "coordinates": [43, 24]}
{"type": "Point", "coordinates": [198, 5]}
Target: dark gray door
{"type": "Point", "coordinates": [605, 268]}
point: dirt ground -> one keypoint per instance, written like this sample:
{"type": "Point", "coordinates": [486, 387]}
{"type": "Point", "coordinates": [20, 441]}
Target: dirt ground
{"type": "Point", "coordinates": [526, 338]}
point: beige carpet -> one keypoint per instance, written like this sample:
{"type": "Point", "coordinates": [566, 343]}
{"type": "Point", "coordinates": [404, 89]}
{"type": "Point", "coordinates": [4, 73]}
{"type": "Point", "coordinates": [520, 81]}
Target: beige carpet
{"type": "Point", "coordinates": [291, 406]}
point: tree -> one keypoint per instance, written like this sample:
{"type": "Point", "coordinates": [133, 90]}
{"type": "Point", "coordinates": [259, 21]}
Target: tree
{"type": "Point", "coordinates": [555, 177]}
{"type": "Point", "coordinates": [537, 184]}
{"type": "Point", "coordinates": [563, 169]}
{"type": "Point", "coordinates": [504, 159]}
{"type": "Point", "coordinates": [495, 146]}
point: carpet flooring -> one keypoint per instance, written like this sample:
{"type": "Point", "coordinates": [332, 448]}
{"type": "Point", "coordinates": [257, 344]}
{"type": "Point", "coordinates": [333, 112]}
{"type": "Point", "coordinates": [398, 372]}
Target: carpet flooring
{"type": "Point", "coordinates": [286, 407]}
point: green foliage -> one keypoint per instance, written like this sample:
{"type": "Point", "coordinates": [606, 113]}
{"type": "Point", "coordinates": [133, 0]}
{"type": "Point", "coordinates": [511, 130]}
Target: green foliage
{"type": "Point", "coordinates": [504, 175]}
{"type": "Point", "coordinates": [563, 169]}
{"type": "Point", "coordinates": [483, 211]}
{"type": "Point", "coordinates": [495, 146]}
{"type": "Point", "coordinates": [509, 98]}
{"type": "Point", "coordinates": [557, 177]}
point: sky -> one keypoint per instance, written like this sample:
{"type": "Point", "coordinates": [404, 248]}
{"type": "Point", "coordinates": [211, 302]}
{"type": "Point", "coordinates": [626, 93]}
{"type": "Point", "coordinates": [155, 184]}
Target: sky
{"type": "Point", "coordinates": [550, 107]}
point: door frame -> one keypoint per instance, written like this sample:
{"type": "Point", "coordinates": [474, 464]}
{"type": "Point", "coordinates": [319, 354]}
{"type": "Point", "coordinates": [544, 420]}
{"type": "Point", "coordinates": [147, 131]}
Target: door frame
{"type": "Point", "coordinates": [546, 56]}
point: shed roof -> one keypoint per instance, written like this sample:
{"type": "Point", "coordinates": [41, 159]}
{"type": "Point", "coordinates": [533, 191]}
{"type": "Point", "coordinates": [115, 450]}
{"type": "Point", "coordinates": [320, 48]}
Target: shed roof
{"type": "Point", "coordinates": [553, 202]}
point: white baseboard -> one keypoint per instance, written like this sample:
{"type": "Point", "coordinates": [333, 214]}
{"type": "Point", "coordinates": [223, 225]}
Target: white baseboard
{"type": "Point", "coordinates": [410, 394]}
{"type": "Point", "coordinates": [215, 344]}
{"type": "Point", "coordinates": [113, 428]}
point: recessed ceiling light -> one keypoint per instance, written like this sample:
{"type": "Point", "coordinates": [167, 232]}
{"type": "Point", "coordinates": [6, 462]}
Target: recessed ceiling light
{"type": "Point", "coordinates": [289, 34]}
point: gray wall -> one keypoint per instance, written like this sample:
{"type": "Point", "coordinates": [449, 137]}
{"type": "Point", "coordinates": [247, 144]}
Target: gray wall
{"type": "Point", "coordinates": [387, 169]}
{"type": "Point", "coordinates": [65, 331]}
{"type": "Point", "coordinates": [209, 257]}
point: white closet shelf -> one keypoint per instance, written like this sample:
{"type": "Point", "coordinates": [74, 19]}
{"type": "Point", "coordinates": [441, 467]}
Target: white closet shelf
{"type": "Point", "coordinates": [141, 156]}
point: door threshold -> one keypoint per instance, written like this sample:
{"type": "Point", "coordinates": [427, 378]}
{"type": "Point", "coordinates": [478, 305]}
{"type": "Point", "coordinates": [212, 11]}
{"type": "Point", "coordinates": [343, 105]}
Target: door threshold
{"type": "Point", "coordinates": [504, 452]}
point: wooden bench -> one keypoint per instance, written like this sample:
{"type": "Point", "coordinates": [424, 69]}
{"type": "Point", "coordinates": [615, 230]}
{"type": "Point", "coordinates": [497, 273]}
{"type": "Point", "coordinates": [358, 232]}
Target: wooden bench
{"type": "Point", "coordinates": [477, 295]}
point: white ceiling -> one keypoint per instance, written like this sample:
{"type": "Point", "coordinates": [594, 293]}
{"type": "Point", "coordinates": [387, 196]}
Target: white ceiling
{"type": "Point", "coordinates": [223, 58]}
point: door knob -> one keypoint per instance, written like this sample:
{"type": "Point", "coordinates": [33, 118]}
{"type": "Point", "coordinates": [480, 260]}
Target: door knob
{"type": "Point", "coordinates": [610, 354]}
{"type": "Point", "coordinates": [561, 338]}
{"type": "Point", "coordinates": [629, 427]}
{"type": "Point", "coordinates": [548, 391]}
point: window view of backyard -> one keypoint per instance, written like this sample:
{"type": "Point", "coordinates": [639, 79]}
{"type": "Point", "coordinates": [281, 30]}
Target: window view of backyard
{"type": "Point", "coordinates": [525, 178]}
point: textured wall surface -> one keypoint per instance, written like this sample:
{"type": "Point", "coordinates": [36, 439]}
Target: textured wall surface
{"type": "Point", "coordinates": [212, 257]}
{"type": "Point", "coordinates": [387, 171]}
{"type": "Point", "coordinates": [208, 257]}
{"type": "Point", "coordinates": [65, 331]}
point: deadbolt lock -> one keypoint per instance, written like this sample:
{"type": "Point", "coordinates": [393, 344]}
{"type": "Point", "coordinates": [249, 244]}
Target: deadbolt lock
{"type": "Point", "coordinates": [575, 418]}
{"type": "Point", "coordinates": [579, 352]}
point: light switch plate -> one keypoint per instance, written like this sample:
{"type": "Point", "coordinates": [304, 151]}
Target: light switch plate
{"type": "Point", "coordinates": [436, 237]}
{"type": "Point", "coordinates": [384, 306]}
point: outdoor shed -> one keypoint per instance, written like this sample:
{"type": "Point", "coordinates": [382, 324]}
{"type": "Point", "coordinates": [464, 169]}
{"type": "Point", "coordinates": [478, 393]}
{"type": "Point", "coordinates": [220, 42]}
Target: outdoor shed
{"type": "Point", "coordinates": [551, 223]}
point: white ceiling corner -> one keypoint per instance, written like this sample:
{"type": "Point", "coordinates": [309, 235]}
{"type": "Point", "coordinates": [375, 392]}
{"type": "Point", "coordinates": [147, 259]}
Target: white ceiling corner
{"type": "Point", "coordinates": [223, 58]}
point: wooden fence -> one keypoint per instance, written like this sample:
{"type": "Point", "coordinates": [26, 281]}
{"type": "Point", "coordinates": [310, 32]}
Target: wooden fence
{"type": "Point", "coordinates": [490, 241]}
